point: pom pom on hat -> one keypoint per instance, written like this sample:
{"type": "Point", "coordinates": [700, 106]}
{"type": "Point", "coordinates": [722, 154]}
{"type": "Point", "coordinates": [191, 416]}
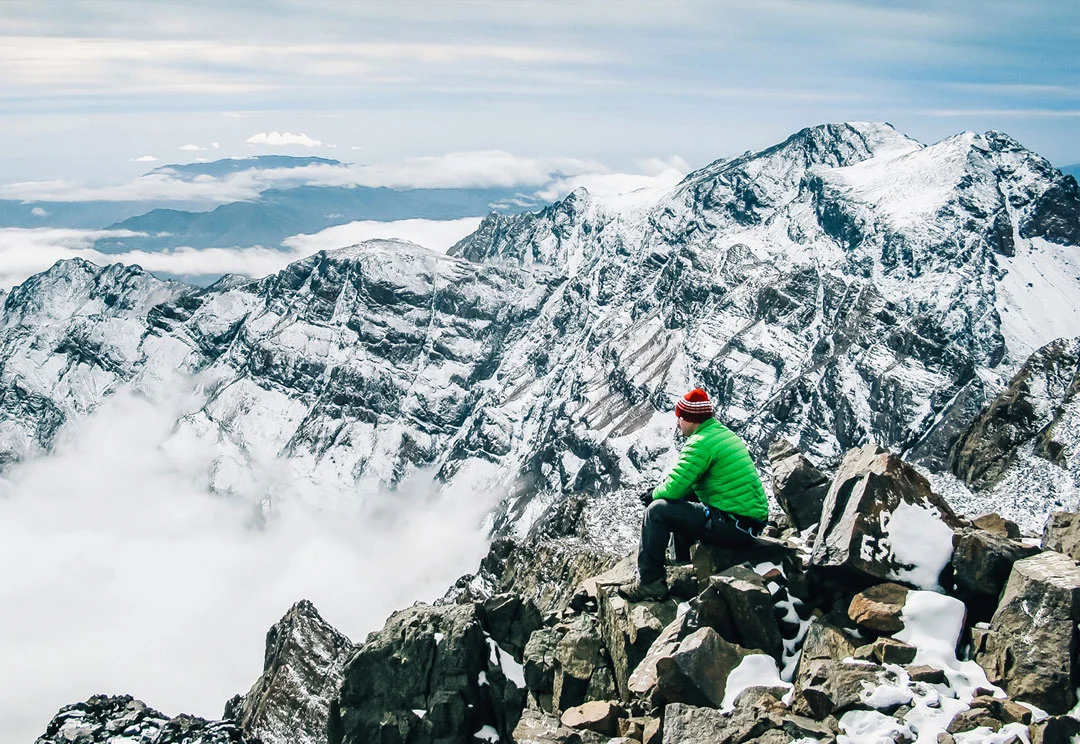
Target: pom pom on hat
{"type": "Point", "coordinates": [694, 407]}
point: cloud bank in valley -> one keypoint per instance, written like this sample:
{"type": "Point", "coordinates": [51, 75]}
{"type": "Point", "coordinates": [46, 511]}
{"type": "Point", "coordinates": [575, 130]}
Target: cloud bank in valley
{"type": "Point", "coordinates": [127, 575]}
{"type": "Point", "coordinates": [28, 251]}
{"type": "Point", "coordinates": [476, 169]}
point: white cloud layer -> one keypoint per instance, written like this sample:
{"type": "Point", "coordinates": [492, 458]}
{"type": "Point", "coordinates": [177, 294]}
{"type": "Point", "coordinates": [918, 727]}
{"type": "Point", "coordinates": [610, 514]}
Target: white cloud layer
{"type": "Point", "coordinates": [121, 573]}
{"type": "Point", "coordinates": [282, 139]}
{"type": "Point", "coordinates": [144, 159]}
{"type": "Point", "coordinates": [476, 169]}
{"type": "Point", "coordinates": [28, 251]}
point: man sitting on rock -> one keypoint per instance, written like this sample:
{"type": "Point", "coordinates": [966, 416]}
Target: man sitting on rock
{"type": "Point", "coordinates": [712, 494]}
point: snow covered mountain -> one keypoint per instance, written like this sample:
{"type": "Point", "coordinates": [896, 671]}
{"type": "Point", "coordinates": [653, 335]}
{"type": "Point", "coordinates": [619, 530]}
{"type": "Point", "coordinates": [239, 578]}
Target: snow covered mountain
{"type": "Point", "coordinates": [847, 284]}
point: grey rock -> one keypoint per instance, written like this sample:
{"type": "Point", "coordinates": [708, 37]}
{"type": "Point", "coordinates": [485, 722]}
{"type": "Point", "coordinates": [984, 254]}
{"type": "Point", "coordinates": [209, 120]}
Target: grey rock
{"type": "Point", "coordinates": [302, 671]}
{"type": "Point", "coordinates": [833, 687]}
{"type": "Point", "coordinates": [799, 487]}
{"type": "Point", "coordinates": [823, 642]}
{"type": "Point", "coordinates": [737, 605]}
{"type": "Point", "coordinates": [628, 630]}
{"type": "Point", "coordinates": [1055, 730]}
{"type": "Point", "coordinates": [536, 727]}
{"type": "Point", "coordinates": [1030, 647]}
{"type": "Point", "coordinates": [433, 659]}
{"type": "Point", "coordinates": [982, 562]}
{"type": "Point", "coordinates": [867, 490]}
{"type": "Point", "coordinates": [1026, 412]}
{"type": "Point", "coordinates": [539, 660]}
{"type": "Point", "coordinates": [511, 619]}
{"type": "Point", "coordinates": [995, 524]}
{"type": "Point", "coordinates": [1062, 534]}
{"type": "Point", "coordinates": [104, 719]}
{"type": "Point", "coordinates": [697, 672]}
{"type": "Point", "coordinates": [583, 670]}
{"type": "Point", "coordinates": [879, 608]}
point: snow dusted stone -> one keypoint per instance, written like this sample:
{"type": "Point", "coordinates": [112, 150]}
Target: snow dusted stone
{"type": "Point", "coordinates": [1030, 648]}
{"type": "Point", "coordinates": [103, 719]}
{"type": "Point", "coordinates": [697, 672]}
{"type": "Point", "coordinates": [628, 630]}
{"type": "Point", "coordinates": [1062, 534]}
{"type": "Point", "coordinates": [881, 519]}
{"type": "Point", "coordinates": [1027, 412]}
{"type": "Point", "coordinates": [737, 605]}
{"type": "Point", "coordinates": [823, 642]}
{"type": "Point", "coordinates": [799, 487]}
{"type": "Point", "coordinates": [834, 687]}
{"type": "Point", "coordinates": [511, 620]}
{"type": "Point", "coordinates": [879, 608]}
{"type": "Point", "coordinates": [428, 675]}
{"type": "Point", "coordinates": [302, 671]}
{"type": "Point", "coordinates": [1055, 730]}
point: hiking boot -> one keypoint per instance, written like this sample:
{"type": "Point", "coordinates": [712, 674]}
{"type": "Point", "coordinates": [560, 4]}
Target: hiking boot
{"type": "Point", "coordinates": [635, 591]}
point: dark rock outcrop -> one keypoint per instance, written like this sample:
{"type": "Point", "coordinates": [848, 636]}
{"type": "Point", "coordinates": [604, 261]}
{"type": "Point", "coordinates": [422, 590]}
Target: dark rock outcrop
{"type": "Point", "coordinates": [799, 487]}
{"type": "Point", "coordinates": [105, 719]}
{"type": "Point", "coordinates": [429, 675]}
{"type": "Point", "coordinates": [1030, 649]}
{"type": "Point", "coordinates": [302, 671]}
{"type": "Point", "coordinates": [882, 520]}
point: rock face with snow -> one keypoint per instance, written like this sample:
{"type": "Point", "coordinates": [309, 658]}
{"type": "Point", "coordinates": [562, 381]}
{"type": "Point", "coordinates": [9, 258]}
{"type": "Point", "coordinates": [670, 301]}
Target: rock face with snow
{"type": "Point", "coordinates": [303, 669]}
{"type": "Point", "coordinates": [882, 519]}
{"type": "Point", "coordinates": [106, 719]}
{"type": "Point", "coordinates": [848, 284]}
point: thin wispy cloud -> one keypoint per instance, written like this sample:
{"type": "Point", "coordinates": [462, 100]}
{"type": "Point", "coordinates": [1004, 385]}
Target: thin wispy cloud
{"type": "Point", "coordinates": [144, 159]}
{"type": "Point", "coordinates": [282, 139]}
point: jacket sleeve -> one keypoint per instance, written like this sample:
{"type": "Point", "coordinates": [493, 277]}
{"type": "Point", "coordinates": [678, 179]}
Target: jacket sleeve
{"type": "Point", "coordinates": [693, 461]}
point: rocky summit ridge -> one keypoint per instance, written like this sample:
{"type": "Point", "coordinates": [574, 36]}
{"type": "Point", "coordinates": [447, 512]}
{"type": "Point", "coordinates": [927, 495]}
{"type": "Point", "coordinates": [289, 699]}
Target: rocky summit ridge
{"type": "Point", "coordinates": [846, 285]}
{"type": "Point", "coordinates": [889, 618]}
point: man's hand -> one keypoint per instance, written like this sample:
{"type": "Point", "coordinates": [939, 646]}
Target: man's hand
{"type": "Point", "coordinates": [646, 498]}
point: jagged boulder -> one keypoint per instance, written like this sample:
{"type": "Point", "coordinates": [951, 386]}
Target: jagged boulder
{"type": "Point", "coordinates": [995, 524]}
{"type": "Point", "coordinates": [753, 717]}
{"type": "Point", "coordinates": [1030, 649]}
{"type": "Point", "coordinates": [511, 620]}
{"type": "Point", "coordinates": [982, 561]}
{"type": "Point", "coordinates": [537, 727]}
{"type": "Point", "coordinates": [429, 675]}
{"type": "Point", "coordinates": [738, 606]}
{"type": "Point", "coordinates": [582, 670]}
{"type": "Point", "coordinates": [1055, 730]}
{"type": "Point", "coordinates": [879, 608]}
{"type": "Point", "coordinates": [1025, 413]}
{"type": "Point", "coordinates": [823, 642]}
{"type": "Point", "coordinates": [1062, 534]}
{"type": "Point", "coordinates": [539, 665]}
{"type": "Point", "coordinates": [302, 670]}
{"type": "Point", "coordinates": [697, 671]}
{"type": "Point", "coordinates": [710, 559]}
{"type": "Point", "coordinates": [105, 719]}
{"type": "Point", "coordinates": [799, 487]}
{"type": "Point", "coordinates": [881, 519]}
{"type": "Point", "coordinates": [628, 630]}
{"type": "Point", "coordinates": [601, 716]}
{"type": "Point", "coordinates": [833, 687]}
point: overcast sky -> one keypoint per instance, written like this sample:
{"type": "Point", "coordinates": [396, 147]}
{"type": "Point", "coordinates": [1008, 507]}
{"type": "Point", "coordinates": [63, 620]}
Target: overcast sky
{"type": "Point", "coordinates": [100, 91]}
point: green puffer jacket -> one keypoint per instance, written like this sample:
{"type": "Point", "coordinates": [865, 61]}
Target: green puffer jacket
{"type": "Point", "coordinates": [715, 465]}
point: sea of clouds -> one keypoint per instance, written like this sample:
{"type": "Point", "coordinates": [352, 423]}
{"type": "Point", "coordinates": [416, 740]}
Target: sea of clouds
{"type": "Point", "coordinates": [121, 572]}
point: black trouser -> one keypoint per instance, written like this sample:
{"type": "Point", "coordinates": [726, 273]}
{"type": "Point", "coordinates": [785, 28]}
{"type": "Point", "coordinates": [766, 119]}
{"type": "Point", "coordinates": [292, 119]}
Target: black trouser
{"type": "Point", "coordinates": [687, 520]}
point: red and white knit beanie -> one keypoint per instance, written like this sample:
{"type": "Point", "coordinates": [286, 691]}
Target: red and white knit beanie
{"type": "Point", "coordinates": [694, 407]}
